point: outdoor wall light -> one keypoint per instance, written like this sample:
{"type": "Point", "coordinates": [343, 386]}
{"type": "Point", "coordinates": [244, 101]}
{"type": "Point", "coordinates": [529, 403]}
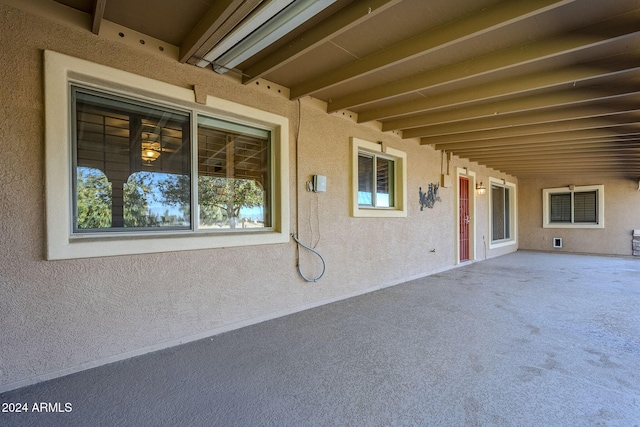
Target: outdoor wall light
{"type": "Point", "coordinates": [481, 189]}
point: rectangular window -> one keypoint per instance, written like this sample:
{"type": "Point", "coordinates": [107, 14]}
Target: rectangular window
{"type": "Point", "coordinates": [502, 213]}
{"type": "Point", "coordinates": [379, 180]}
{"type": "Point", "coordinates": [133, 169]}
{"type": "Point", "coordinates": [126, 154]}
{"type": "Point", "coordinates": [574, 207]}
{"type": "Point", "coordinates": [131, 172]}
{"type": "Point", "coordinates": [375, 172]}
{"type": "Point", "coordinates": [233, 175]}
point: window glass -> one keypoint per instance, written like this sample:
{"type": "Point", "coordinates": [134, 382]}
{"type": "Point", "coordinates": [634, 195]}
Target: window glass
{"type": "Point", "coordinates": [365, 180]}
{"type": "Point", "coordinates": [126, 155]}
{"type": "Point", "coordinates": [561, 207]}
{"type": "Point", "coordinates": [233, 175]}
{"type": "Point", "coordinates": [585, 207]}
{"type": "Point", "coordinates": [384, 183]}
{"type": "Point", "coordinates": [375, 172]}
{"type": "Point", "coordinates": [501, 219]}
{"type": "Point", "coordinates": [573, 207]}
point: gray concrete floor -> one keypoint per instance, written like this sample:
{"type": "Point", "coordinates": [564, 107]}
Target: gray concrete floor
{"type": "Point", "coordinates": [527, 339]}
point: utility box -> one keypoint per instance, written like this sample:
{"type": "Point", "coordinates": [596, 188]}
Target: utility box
{"type": "Point", "coordinates": [635, 243]}
{"type": "Point", "coordinates": [445, 181]}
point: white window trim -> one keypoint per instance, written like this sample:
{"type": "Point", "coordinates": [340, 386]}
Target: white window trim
{"type": "Point", "coordinates": [400, 178]}
{"type": "Point", "coordinates": [546, 204]}
{"type": "Point", "coordinates": [514, 214]}
{"type": "Point", "coordinates": [60, 71]}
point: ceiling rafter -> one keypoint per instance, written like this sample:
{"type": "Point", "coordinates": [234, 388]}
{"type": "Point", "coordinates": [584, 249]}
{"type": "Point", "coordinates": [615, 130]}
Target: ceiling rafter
{"type": "Point", "coordinates": [524, 119]}
{"type": "Point", "coordinates": [550, 149]}
{"type": "Point", "coordinates": [522, 85]}
{"type": "Point", "coordinates": [566, 98]}
{"type": "Point", "coordinates": [98, 15]}
{"type": "Point", "coordinates": [350, 16]}
{"type": "Point", "coordinates": [578, 136]}
{"type": "Point", "coordinates": [501, 15]}
{"type": "Point", "coordinates": [621, 120]}
{"type": "Point", "coordinates": [579, 40]}
{"type": "Point", "coordinates": [221, 18]}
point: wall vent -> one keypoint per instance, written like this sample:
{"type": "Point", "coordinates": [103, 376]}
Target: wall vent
{"type": "Point", "coordinates": [557, 242]}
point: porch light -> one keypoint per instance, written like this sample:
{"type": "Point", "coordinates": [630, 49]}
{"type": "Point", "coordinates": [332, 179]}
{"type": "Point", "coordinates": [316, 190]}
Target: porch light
{"type": "Point", "coordinates": [481, 189]}
{"type": "Point", "coordinates": [149, 151]}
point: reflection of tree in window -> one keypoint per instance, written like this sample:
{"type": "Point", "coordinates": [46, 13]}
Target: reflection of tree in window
{"type": "Point", "coordinates": [93, 203]}
{"type": "Point", "coordinates": [133, 146]}
{"type": "Point", "coordinates": [233, 165]}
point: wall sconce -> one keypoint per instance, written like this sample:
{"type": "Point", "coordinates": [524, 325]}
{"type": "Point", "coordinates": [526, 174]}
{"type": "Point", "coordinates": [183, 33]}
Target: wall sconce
{"type": "Point", "coordinates": [481, 189]}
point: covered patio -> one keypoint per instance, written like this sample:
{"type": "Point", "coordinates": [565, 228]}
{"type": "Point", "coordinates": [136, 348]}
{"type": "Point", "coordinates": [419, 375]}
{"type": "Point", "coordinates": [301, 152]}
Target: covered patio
{"type": "Point", "coordinates": [525, 339]}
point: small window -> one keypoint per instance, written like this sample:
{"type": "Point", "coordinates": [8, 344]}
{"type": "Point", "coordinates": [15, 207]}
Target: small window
{"type": "Point", "coordinates": [574, 207]}
{"type": "Point", "coordinates": [375, 181]}
{"type": "Point", "coordinates": [379, 180]}
{"type": "Point", "coordinates": [502, 212]}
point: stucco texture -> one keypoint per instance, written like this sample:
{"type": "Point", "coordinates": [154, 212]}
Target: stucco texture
{"type": "Point", "coordinates": [621, 217]}
{"type": "Point", "coordinates": [61, 316]}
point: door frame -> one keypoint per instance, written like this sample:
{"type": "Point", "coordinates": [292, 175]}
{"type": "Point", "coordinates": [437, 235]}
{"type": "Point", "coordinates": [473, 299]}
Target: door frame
{"type": "Point", "coordinates": [471, 176]}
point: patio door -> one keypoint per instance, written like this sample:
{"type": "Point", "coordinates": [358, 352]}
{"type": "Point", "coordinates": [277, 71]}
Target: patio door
{"type": "Point", "coordinates": [464, 219]}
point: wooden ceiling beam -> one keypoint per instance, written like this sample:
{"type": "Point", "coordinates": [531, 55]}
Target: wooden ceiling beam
{"type": "Point", "coordinates": [572, 174]}
{"type": "Point", "coordinates": [550, 151]}
{"type": "Point", "coordinates": [98, 14]}
{"type": "Point", "coordinates": [574, 161]}
{"type": "Point", "coordinates": [622, 120]}
{"type": "Point", "coordinates": [522, 85]}
{"type": "Point", "coordinates": [565, 98]}
{"type": "Point", "coordinates": [219, 20]}
{"type": "Point", "coordinates": [560, 137]}
{"type": "Point", "coordinates": [351, 15]}
{"type": "Point", "coordinates": [569, 43]}
{"type": "Point", "coordinates": [505, 13]}
{"type": "Point", "coordinates": [526, 120]}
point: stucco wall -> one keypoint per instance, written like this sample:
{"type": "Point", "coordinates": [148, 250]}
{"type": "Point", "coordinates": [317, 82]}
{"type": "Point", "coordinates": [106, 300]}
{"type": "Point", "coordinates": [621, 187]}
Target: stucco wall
{"type": "Point", "coordinates": [62, 316]}
{"type": "Point", "coordinates": [622, 216]}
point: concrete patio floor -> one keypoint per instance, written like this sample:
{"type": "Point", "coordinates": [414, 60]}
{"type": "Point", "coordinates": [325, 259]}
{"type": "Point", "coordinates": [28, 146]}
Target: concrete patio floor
{"type": "Point", "coordinates": [526, 339]}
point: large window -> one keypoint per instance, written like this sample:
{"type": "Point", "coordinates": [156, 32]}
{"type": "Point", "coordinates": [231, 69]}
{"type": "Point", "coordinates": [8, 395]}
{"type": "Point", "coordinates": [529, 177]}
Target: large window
{"type": "Point", "coordinates": [133, 168]}
{"type": "Point", "coordinates": [574, 207]}
{"type": "Point", "coordinates": [141, 168]}
{"type": "Point", "coordinates": [379, 180]}
{"type": "Point", "coordinates": [502, 212]}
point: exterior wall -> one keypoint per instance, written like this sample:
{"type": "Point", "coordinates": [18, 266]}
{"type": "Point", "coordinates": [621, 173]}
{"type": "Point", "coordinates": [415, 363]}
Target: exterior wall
{"type": "Point", "coordinates": [58, 317]}
{"type": "Point", "coordinates": [621, 205]}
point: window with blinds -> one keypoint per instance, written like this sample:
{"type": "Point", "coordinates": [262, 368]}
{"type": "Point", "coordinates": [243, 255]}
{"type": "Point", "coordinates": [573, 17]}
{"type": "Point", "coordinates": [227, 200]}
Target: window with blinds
{"type": "Point", "coordinates": [378, 180]}
{"type": "Point", "coordinates": [574, 207]}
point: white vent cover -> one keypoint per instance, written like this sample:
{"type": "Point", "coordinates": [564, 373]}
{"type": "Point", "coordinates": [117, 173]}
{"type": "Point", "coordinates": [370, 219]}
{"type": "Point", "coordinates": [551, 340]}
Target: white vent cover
{"type": "Point", "coordinates": [557, 242]}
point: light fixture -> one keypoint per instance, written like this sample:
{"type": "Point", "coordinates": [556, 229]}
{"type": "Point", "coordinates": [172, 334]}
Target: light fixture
{"type": "Point", "coordinates": [266, 25]}
{"type": "Point", "coordinates": [150, 151]}
{"type": "Point", "coordinates": [481, 189]}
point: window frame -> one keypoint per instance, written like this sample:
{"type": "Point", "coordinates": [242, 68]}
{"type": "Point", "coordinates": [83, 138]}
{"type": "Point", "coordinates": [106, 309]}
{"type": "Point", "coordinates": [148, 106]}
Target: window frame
{"type": "Point", "coordinates": [513, 214]}
{"type": "Point", "coordinates": [60, 72]}
{"type": "Point", "coordinates": [399, 159]}
{"type": "Point", "coordinates": [546, 206]}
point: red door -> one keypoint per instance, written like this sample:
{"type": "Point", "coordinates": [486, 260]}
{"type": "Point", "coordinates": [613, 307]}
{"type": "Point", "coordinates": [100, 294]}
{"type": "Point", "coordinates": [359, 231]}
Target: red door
{"type": "Point", "coordinates": [464, 219]}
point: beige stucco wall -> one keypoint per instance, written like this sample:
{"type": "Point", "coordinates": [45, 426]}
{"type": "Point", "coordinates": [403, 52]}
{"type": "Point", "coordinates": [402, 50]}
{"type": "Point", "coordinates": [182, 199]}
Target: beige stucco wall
{"type": "Point", "coordinates": [61, 316]}
{"type": "Point", "coordinates": [622, 216]}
